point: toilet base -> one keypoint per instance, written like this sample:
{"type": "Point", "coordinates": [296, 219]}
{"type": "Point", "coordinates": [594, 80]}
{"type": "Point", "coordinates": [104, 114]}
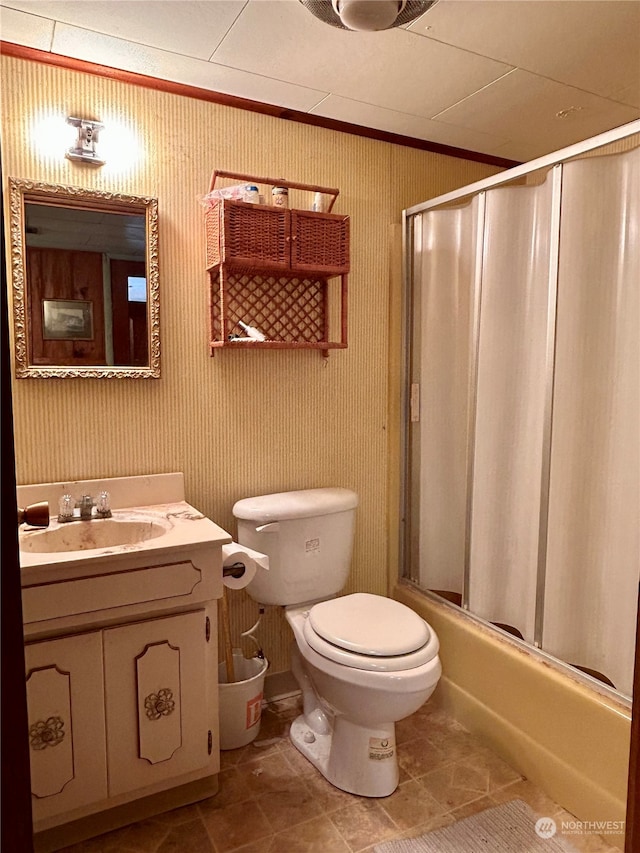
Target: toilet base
{"type": "Point", "coordinates": [354, 758]}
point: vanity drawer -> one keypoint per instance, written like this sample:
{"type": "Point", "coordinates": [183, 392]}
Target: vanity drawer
{"type": "Point", "coordinates": [148, 587]}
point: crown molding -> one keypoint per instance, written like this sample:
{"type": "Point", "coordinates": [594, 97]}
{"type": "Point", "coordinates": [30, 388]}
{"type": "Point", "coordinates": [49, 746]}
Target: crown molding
{"type": "Point", "coordinates": [133, 78]}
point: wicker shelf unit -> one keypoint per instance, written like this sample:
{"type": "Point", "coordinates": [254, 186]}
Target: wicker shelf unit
{"type": "Point", "coordinates": [281, 271]}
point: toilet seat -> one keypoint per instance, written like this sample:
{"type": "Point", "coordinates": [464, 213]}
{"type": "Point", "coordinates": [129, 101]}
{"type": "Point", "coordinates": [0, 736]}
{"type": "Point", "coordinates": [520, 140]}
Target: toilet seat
{"type": "Point", "coordinates": [370, 632]}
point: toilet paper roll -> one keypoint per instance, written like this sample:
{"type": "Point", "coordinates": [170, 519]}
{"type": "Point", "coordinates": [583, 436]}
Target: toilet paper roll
{"type": "Point", "coordinates": [253, 560]}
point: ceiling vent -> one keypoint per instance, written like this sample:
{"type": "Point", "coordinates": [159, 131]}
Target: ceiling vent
{"type": "Point", "coordinates": [367, 15]}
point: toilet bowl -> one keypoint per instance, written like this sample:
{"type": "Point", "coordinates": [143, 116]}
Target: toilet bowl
{"type": "Point", "coordinates": [347, 728]}
{"type": "Point", "coordinates": [362, 661]}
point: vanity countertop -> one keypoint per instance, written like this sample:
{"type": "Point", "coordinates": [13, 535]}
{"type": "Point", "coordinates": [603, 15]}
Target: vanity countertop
{"type": "Point", "coordinates": [180, 527]}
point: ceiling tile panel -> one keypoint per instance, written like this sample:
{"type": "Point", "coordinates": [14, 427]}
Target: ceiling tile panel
{"type": "Point", "coordinates": [105, 50]}
{"type": "Point", "coordinates": [520, 150]}
{"type": "Point", "coordinates": [628, 95]}
{"type": "Point", "coordinates": [522, 106]}
{"type": "Point", "coordinates": [29, 30]}
{"type": "Point", "coordinates": [192, 28]}
{"type": "Point", "coordinates": [394, 69]}
{"type": "Point", "coordinates": [355, 112]}
{"type": "Point", "coordinates": [571, 41]}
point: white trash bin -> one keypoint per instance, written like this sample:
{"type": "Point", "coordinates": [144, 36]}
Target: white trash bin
{"type": "Point", "coordinates": [241, 701]}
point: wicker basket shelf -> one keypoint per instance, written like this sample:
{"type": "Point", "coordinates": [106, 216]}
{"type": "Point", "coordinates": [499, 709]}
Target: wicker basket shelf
{"type": "Point", "coordinates": [267, 238]}
{"type": "Point", "coordinates": [281, 271]}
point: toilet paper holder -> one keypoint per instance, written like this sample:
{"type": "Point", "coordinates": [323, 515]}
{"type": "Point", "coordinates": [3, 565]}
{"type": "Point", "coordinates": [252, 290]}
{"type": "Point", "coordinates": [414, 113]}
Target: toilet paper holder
{"type": "Point", "coordinates": [234, 570]}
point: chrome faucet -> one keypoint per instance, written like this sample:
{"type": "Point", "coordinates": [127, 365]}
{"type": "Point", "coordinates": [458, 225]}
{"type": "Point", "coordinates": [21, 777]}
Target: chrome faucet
{"type": "Point", "coordinates": [68, 505]}
{"type": "Point", "coordinates": [85, 505]}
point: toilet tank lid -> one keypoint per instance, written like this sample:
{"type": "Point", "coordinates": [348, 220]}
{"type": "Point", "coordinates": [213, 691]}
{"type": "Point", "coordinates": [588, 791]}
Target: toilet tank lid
{"type": "Point", "coordinates": [301, 504]}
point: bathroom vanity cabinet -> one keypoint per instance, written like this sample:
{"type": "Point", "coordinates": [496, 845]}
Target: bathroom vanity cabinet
{"type": "Point", "coordinates": [114, 711]}
{"type": "Point", "coordinates": [283, 272]}
{"type": "Point", "coordinates": [67, 751]}
{"type": "Point", "coordinates": [121, 670]}
{"type": "Point", "coordinates": [125, 710]}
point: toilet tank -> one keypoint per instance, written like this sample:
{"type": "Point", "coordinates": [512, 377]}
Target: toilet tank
{"type": "Point", "coordinates": [308, 537]}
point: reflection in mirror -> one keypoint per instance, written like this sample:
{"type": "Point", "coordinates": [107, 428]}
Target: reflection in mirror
{"type": "Point", "coordinates": [85, 282]}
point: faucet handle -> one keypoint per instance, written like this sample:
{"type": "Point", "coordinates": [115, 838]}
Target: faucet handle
{"type": "Point", "coordinates": [66, 506]}
{"type": "Point", "coordinates": [103, 504]}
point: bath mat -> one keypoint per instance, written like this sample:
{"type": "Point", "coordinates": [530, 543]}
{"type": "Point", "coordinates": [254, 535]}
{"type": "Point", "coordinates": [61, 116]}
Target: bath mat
{"type": "Point", "coordinates": [508, 828]}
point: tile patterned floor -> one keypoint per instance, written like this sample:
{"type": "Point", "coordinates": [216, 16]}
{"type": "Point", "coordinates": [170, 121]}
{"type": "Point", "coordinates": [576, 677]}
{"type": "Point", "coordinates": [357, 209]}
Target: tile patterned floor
{"type": "Point", "coordinates": [271, 800]}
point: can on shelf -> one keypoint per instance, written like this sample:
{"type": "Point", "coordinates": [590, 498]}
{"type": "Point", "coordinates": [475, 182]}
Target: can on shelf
{"type": "Point", "coordinates": [319, 203]}
{"type": "Point", "coordinates": [280, 196]}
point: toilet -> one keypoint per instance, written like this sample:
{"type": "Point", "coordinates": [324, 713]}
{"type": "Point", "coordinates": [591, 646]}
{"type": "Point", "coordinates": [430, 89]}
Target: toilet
{"type": "Point", "coordinates": [362, 661]}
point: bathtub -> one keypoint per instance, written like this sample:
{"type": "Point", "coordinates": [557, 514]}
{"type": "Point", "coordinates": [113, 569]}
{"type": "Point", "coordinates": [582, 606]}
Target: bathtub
{"type": "Point", "coordinates": [568, 736]}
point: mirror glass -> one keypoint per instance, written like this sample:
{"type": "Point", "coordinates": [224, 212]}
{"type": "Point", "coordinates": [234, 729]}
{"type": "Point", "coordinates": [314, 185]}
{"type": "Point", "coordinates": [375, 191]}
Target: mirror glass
{"type": "Point", "coordinates": [85, 282]}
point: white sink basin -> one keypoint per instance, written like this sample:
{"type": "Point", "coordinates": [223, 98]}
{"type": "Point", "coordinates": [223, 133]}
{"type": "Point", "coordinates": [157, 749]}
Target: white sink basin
{"type": "Point", "coordinates": [89, 535]}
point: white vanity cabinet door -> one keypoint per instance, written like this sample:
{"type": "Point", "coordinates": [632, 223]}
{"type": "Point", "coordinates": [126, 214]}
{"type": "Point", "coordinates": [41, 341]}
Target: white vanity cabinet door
{"type": "Point", "coordinates": [65, 701]}
{"type": "Point", "coordinates": [156, 700]}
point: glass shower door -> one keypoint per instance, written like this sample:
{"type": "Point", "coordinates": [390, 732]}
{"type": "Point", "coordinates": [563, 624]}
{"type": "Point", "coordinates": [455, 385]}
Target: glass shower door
{"type": "Point", "coordinates": [593, 547]}
{"type": "Point", "coordinates": [446, 246]}
{"type": "Point", "coordinates": [510, 404]}
{"type": "Point", "coordinates": [522, 490]}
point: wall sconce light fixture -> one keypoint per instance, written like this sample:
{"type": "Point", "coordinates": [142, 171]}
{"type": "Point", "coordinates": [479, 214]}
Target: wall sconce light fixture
{"type": "Point", "coordinates": [85, 147]}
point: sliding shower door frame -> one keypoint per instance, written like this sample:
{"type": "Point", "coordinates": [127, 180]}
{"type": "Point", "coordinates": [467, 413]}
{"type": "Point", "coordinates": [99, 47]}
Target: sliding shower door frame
{"type": "Point", "coordinates": [472, 394]}
{"type": "Point", "coordinates": [407, 405]}
{"type": "Point", "coordinates": [550, 372]}
{"type": "Point", "coordinates": [545, 162]}
{"type": "Point", "coordinates": [411, 391]}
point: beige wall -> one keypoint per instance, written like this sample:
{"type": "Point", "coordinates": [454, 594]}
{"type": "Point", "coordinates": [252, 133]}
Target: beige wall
{"type": "Point", "coordinates": [244, 422]}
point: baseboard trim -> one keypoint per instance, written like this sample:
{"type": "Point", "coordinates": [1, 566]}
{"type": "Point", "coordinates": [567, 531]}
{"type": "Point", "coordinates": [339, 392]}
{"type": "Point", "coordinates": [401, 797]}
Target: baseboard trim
{"type": "Point", "coordinates": [280, 685]}
{"type": "Point", "coordinates": [99, 823]}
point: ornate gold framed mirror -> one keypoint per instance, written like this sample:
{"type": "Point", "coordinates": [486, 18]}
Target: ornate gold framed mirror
{"type": "Point", "coordinates": [85, 282]}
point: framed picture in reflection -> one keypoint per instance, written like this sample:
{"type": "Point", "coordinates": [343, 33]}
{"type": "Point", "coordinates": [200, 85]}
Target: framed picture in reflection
{"type": "Point", "coordinates": [67, 320]}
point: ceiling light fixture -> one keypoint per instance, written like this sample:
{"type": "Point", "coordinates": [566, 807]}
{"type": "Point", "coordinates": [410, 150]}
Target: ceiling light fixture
{"type": "Point", "coordinates": [85, 148]}
{"type": "Point", "coordinates": [367, 15]}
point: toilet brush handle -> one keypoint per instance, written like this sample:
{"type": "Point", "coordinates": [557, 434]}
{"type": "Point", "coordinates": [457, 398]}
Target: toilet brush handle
{"type": "Point", "coordinates": [226, 632]}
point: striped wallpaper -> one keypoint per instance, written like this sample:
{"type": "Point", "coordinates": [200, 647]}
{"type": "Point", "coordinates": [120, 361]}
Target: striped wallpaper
{"type": "Point", "coordinates": [244, 422]}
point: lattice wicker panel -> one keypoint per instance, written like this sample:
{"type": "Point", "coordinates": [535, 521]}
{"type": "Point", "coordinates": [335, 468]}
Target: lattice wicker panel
{"type": "Point", "coordinates": [286, 308]}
